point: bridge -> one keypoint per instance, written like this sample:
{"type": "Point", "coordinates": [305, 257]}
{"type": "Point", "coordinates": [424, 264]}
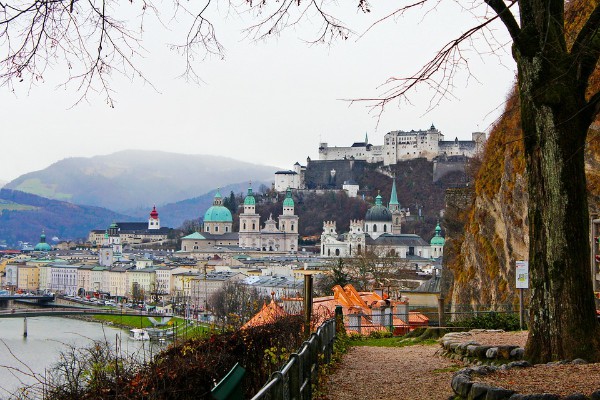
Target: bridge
{"type": "Point", "coordinates": [62, 311]}
{"type": "Point", "coordinates": [37, 298]}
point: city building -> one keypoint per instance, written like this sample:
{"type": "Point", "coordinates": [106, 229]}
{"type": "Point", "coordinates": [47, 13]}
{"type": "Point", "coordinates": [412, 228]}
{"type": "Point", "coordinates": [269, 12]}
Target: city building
{"type": "Point", "coordinates": [381, 233]}
{"type": "Point", "coordinates": [274, 236]}
{"type": "Point", "coordinates": [133, 233]}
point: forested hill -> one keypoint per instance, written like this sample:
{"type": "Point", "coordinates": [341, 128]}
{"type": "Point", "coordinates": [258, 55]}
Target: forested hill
{"type": "Point", "coordinates": [24, 216]}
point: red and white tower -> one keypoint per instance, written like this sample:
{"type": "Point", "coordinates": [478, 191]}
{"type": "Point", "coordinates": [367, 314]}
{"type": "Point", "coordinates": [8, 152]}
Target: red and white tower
{"type": "Point", "coordinates": [154, 221]}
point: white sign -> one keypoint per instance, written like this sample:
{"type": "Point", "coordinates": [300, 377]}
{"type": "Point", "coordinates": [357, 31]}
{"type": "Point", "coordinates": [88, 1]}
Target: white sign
{"type": "Point", "coordinates": [522, 274]}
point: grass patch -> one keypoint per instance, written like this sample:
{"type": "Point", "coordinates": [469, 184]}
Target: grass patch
{"type": "Point", "coordinates": [183, 331]}
{"type": "Point", "coordinates": [452, 368]}
{"type": "Point", "coordinates": [6, 205]}
{"type": "Point", "coordinates": [128, 321]}
{"type": "Point", "coordinates": [389, 342]}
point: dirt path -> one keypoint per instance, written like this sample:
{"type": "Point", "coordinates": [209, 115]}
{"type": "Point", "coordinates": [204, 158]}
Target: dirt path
{"type": "Point", "coordinates": [407, 373]}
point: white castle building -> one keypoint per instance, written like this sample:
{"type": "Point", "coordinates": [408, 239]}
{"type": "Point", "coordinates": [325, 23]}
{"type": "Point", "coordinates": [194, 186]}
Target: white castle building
{"type": "Point", "coordinates": [401, 145]}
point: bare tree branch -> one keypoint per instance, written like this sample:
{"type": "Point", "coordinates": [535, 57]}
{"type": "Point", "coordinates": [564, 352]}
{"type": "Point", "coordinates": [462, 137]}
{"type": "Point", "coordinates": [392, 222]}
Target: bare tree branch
{"type": "Point", "coordinates": [506, 17]}
{"type": "Point", "coordinates": [586, 48]}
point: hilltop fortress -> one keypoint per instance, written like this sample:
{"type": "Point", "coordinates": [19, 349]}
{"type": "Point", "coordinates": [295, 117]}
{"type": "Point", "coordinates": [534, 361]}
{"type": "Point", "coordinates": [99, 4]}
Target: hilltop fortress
{"type": "Point", "coordinates": [340, 167]}
{"type": "Point", "coordinates": [401, 145]}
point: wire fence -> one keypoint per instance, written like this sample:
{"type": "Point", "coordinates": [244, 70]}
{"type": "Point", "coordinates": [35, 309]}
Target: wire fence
{"type": "Point", "coordinates": [400, 323]}
{"type": "Point", "coordinates": [298, 377]}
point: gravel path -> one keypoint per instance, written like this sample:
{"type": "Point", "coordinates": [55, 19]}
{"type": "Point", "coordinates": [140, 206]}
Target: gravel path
{"type": "Point", "coordinates": [409, 373]}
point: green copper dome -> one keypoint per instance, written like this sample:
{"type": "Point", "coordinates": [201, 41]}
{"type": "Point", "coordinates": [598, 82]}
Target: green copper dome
{"type": "Point", "coordinates": [218, 212]}
{"type": "Point", "coordinates": [378, 212]}
{"type": "Point", "coordinates": [437, 240]}
{"type": "Point", "coordinates": [42, 245]}
{"type": "Point", "coordinates": [249, 200]}
{"type": "Point", "coordinates": [288, 202]}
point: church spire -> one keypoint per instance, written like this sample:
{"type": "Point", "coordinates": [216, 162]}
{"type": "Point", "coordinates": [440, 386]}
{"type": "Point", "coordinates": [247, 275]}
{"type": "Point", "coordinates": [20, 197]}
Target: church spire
{"type": "Point", "coordinates": [366, 138]}
{"type": "Point", "coordinates": [394, 195]}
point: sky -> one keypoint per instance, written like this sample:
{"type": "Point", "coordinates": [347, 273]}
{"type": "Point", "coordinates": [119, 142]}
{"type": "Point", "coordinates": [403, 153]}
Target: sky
{"type": "Point", "coordinates": [268, 102]}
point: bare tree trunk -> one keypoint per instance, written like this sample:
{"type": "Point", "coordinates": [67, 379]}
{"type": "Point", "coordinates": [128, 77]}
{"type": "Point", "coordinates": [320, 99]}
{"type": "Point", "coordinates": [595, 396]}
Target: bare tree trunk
{"type": "Point", "coordinates": [562, 321]}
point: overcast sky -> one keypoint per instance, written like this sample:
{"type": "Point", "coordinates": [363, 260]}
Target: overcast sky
{"type": "Point", "coordinates": [267, 102]}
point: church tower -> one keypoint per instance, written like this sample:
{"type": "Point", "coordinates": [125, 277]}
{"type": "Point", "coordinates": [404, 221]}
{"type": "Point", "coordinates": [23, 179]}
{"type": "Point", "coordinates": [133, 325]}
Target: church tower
{"type": "Point", "coordinates": [114, 239]}
{"type": "Point", "coordinates": [249, 235]}
{"type": "Point", "coordinates": [394, 208]}
{"type": "Point", "coordinates": [154, 221]}
{"type": "Point", "coordinates": [288, 223]}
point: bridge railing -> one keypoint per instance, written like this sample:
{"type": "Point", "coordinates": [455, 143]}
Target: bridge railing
{"type": "Point", "coordinates": [296, 378]}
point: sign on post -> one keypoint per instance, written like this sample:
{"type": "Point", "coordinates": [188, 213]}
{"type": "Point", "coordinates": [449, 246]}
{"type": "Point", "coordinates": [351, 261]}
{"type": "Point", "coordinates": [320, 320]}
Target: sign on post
{"type": "Point", "coordinates": [522, 274]}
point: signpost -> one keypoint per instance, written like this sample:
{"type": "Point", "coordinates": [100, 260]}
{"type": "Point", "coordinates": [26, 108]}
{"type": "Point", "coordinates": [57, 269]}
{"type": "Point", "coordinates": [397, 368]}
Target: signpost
{"type": "Point", "coordinates": [522, 276]}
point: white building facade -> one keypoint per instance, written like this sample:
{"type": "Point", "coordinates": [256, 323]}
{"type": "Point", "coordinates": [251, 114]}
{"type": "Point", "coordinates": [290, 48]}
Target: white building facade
{"type": "Point", "coordinates": [406, 145]}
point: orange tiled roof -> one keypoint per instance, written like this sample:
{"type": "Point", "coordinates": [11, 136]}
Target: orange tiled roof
{"type": "Point", "coordinates": [268, 313]}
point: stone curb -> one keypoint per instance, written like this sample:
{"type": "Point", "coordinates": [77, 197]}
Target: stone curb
{"type": "Point", "coordinates": [457, 346]}
{"type": "Point", "coordinates": [465, 388]}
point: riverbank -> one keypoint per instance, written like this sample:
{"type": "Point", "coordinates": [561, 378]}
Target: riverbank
{"type": "Point", "coordinates": [184, 329]}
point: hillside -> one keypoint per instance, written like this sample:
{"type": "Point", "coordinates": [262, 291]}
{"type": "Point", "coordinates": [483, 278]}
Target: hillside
{"type": "Point", "coordinates": [414, 187]}
{"type": "Point", "coordinates": [23, 216]}
{"type": "Point", "coordinates": [482, 257]}
{"type": "Point", "coordinates": [136, 178]}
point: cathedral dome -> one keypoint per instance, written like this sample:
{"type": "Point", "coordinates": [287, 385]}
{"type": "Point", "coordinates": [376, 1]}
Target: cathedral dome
{"type": "Point", "coordinates": [218, 212]}
{"type": "Point", "coordinates": [378, 212]}
{"type": "Point", "coordinates": [42, 245]}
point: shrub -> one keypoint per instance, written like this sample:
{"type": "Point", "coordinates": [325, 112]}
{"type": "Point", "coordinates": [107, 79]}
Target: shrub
{"type": "Point", "coordinates": [380, 334]}
{"type": "Point", "coordinates": [490, 320]}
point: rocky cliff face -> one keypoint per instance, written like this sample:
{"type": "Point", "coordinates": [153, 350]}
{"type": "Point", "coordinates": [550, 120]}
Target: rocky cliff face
{"type": "Point", "coordinates": [488, 235]}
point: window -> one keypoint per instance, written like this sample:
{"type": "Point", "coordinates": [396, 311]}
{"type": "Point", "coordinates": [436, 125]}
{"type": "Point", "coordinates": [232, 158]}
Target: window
{"type": "Point", "coordinates": [385, 227]}
{"type": "Point", "coordinates": [216, 229]}
{"type": "Point", "coordinates": [337, 252]}
{"type": "Point", "coordinates": [374, 228]}
{"type": "Point", "coordinates": [292, 228]}
{"type": "Point", "coordinates": [244, 226]}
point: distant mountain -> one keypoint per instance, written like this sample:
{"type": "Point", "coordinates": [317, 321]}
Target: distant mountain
{"type": "Point", "coordinates": [23, 217]}
{"type": "Point", "coordinates": [137, 179]}
{"type": "Point", "coordinates": [173, 214]}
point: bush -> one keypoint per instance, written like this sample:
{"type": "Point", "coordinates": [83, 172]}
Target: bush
{"type": "Point", "coordinates": [490, 320]}
{"type": "Point", "coordinates": [380, 334]}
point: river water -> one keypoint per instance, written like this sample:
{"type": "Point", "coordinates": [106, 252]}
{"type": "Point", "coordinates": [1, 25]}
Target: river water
{"type": "Point", "coordinates": [46, 338]}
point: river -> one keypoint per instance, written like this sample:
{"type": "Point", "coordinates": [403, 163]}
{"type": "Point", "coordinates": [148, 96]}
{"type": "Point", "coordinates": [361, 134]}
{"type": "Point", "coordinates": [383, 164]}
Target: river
{"type": "Point", "coordinates": [47, 337]}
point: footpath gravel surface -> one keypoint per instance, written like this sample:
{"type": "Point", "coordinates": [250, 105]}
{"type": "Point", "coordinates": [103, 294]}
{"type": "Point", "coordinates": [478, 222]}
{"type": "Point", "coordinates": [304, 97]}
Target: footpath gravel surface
{"type": "Point", "coordinates": [407, 373]}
